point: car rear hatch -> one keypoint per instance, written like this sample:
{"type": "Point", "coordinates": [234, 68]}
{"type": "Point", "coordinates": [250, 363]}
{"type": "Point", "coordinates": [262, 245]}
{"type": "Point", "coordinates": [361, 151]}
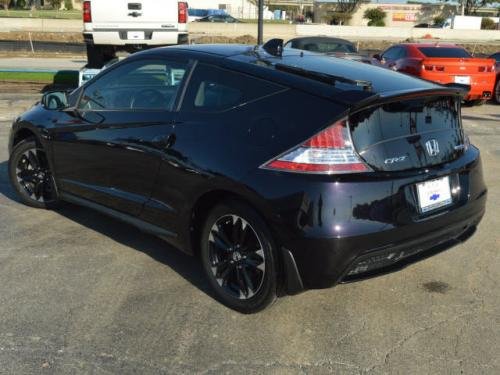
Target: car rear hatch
{"type": "Point", "coordinates": [134, 14]}
{"type": "Point", "coordinates": [409, 132]}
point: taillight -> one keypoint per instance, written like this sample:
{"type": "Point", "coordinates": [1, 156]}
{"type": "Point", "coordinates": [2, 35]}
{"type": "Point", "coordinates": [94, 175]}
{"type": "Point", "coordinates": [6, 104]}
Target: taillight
{"type": "Point", "coordinates": [183, 12]}
{"type": "Point", "coordinates": [486, 69]}
{"type": "Point", "coordinates": [328, 152]}
{"type": "Point", "coordinates": [87, 12]}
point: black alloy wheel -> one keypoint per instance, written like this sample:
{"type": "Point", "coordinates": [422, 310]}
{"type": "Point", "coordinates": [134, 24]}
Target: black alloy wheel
{"type": "Point", "coordinates": [238, 257]}
{"type": "Point", "coordinates": [31, 177]}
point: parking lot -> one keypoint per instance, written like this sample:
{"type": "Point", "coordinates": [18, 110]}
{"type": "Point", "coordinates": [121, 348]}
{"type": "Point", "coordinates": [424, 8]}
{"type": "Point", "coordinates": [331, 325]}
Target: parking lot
{"type": "Point", "coordinates": [84, 293]}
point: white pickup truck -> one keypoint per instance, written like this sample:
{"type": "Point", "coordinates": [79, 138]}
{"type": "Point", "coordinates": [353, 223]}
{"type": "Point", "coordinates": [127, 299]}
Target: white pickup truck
{"type": "Point", "coordinates": [111, 25]}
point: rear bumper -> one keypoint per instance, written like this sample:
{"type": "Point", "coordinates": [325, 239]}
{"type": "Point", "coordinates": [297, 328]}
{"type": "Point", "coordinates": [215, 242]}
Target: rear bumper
{"type": "Point", "coordinates": [322, 263]}
{"type": "Point", "coordinates": [152, 38]}
{"type": "Point", "coordinates": [481, 85]}
{"type": "Point", "coordinates": [334, 226]}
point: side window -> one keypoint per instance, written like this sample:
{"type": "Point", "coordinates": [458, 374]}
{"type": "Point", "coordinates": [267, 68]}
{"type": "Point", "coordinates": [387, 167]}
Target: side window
{"type": "Point", "coordinates": [391, 53]}
{"type": "Point", "coordinates": [138, 85]}
{"type": "Point", "coordinates": [402, 53]}
{"type": "Point", "coordinates": [214, 89]}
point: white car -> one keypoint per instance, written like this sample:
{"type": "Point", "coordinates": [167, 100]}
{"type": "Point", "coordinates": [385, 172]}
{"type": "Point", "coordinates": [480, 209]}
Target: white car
{"type": "Point", "coordinates": [111, 25]}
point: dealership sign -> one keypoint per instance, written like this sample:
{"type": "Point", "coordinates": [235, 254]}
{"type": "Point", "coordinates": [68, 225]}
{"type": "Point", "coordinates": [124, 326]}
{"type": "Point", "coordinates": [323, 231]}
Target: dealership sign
{"type": "Point", "coordinates": [405, 17]}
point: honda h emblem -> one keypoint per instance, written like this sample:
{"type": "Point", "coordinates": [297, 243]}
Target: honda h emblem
{"type": "Point", "coordinates": [432, 147]}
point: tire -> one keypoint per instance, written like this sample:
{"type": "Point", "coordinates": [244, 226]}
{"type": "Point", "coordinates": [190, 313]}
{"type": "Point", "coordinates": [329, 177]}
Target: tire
{"type": "Point", "coordinates": [247, 280]}
{"type": "Point", "coordinates": [496, 92]}
{"type": "Point", "coordinates": [30, 175]}
{"type": "Point", "coordinates": [475, 102]}
{"type": "Point", "coordinates": [99, 55]}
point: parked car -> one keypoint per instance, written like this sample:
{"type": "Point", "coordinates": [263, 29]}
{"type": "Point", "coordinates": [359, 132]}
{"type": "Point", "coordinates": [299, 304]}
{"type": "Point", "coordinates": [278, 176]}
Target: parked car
{"type": "Point", "coordinates": [113, 25]}
{"type": "Point", "coordinates": [327, 45]}
{"type": "Point", "coordinates": [423, 26]}
{"type": "Point", "coordinates": [226, 18]}
{"type": "Point", "coordinates": [445, 64]}
{"type": "Point", "coordinates": [496, 92]}
{"type": "Point", "coordinates": [282, 173]}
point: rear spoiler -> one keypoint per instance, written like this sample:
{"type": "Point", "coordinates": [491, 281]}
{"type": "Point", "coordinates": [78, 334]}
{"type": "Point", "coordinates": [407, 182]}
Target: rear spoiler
{"type": "Point", "coordinates": [463, 89]}
{"type": "Point", "coordinates": [389, 96]}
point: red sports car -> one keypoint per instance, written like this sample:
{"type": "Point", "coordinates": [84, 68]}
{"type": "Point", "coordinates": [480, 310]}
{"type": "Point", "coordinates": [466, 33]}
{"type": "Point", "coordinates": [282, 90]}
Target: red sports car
{"type": "Point", "coordinates": [445, 64]}
{"type": "Point", "coordinates": [496, 92]}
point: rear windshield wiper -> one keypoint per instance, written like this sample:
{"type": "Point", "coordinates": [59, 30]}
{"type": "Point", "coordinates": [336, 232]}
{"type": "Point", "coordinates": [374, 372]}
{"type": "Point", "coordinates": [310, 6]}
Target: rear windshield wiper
{"type": "Point", "coordinates": [323, 77]}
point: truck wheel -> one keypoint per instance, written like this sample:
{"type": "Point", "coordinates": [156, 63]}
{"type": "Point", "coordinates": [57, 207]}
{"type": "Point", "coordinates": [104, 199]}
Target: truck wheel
{"type": "Point", "coordinates": [99, 55]}
{"type": "Point", "coordinates": [474, 103]}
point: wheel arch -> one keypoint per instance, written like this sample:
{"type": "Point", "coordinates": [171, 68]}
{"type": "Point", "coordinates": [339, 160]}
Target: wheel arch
{"type": "Point", "coordinates": [289, 280]}
{"type": "Point", "coordinates": [207, 201]}
{"type": "Point", "coordinates": [22, 134]}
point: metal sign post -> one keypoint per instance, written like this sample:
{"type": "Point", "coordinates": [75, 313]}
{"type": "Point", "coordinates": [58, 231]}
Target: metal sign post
{"type": "Point", "coordinates": [260, 23]}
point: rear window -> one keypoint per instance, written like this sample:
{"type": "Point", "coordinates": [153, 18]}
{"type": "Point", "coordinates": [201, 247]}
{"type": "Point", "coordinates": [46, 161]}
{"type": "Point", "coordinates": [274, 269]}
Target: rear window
{"type": "Point", "coordinates": [403, 119]}
{"type": "Point", "coordinates": [444, 52]}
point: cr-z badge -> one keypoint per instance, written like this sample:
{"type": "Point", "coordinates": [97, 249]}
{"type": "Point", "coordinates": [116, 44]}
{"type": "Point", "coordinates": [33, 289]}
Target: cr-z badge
{"type": "Point", "coordinates": [398, 159]}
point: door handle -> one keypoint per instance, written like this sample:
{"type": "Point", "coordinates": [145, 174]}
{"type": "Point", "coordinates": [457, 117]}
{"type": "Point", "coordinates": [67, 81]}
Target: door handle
{"type": "Point", "coordinates": [164, 142]}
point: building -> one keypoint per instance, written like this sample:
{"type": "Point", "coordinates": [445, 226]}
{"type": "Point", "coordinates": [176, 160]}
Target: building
{"type": "Point", "coordinates": [404, 15]}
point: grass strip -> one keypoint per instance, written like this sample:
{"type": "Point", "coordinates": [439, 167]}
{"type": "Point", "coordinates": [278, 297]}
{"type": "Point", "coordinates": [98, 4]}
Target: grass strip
{"type": "Point", "coordinates": [62, 77]}
{"type": "Point", "coordinates": [49, 14]}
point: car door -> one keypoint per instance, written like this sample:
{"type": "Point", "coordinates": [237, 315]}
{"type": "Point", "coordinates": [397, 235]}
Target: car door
{"type": "Point", "coordinates": [108, 150]}
{"type": "Point", "coordinates": [216, 98]}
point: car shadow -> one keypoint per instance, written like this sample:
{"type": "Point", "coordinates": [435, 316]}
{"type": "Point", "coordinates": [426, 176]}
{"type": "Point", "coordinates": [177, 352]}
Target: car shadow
{"type": "Point", "coordinates": [186, 266]}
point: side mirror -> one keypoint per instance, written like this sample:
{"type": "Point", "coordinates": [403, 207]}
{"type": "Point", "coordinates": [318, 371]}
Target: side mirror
{"type": "Point", "coordinates": [55, 100]}
{"type": "Point", "coordinates": [377, 57]}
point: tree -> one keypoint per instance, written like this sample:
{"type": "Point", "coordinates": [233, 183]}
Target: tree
{"type": "Point", "coordinates": [339, 18]}
{"type": "Point", "coordinates": [375, 16]}
{"type": "Point", "coordinates": [56, 4]}
{"type": "Point", "coordinates": [5, 4]}
{"type": "Point", "coordinates": [471, 6]}
{"type": "Point", "coordinates": [338, 12]}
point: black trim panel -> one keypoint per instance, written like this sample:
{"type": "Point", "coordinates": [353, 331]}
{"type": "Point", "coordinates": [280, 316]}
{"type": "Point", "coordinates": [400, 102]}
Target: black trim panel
{"type": "Point", "coordinates": [143, 226]}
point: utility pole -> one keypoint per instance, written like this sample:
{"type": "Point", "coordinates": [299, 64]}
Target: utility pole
{"type": "Point", "coordinates": [260, 23]}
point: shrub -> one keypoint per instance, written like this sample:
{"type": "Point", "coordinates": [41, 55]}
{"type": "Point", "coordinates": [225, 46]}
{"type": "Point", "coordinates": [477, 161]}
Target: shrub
{"type": "Point", "coordinates": [68, 4]}
{"type": "Point", "coordinates": [375, 16]}
{"type": "Point", "coordinates": [488, 24]}
{"type": "Point", "coordinates": [439, 20]}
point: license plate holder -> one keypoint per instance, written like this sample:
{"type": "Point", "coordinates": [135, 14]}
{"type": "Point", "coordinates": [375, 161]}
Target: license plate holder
{"type": "Point", "coordinates": [434, 194]}
{"type": "Point", "coordinates": [136, 35]}
{"type": "Point", "coordinates": [463, 80]}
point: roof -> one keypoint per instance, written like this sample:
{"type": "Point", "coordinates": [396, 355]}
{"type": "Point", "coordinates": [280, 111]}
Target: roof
{"type": "Point", "coordinates": [435, 44]}
{"type": "Point", "coordinates": [256, 61]}
{"type": "Point", "coordinates": [222, 50]}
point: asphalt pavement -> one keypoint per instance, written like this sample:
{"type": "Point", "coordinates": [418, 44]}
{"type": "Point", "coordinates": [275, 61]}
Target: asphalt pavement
{"type": "Point", "coordinates": [83, 293]}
